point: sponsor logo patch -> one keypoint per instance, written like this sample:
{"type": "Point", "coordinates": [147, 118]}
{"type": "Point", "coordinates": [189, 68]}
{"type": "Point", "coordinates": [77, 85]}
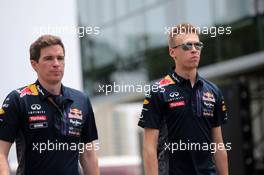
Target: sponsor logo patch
{"type": "Point", "coordinates": [75, 113]}
{"type": "Point", "coordinates": [176, 104]}
{"type": "Point", "coordinates": [36, 112]}
{"type": "Point", "coordinates": [224, 109]}
{"type": "Point", "coordinates": [208, 114]}
{"type": "Point", "coordinates": [145, 102]}
{"type": "Point", "coordinates": [75, 123]}
{"type": "Point", "coordinates": [208, 96]}
{"type": "Point", "coordinates": [29, 90]}
{"type": "Point", "coordinates": [35, 107]}
{"type": "Point", "coordinates": [38, 125]}
{"type": "Point", "coordinates": [37, 118]}
{"type": "Point", "coordinates": [174, 94]}
{"type": "Point", "coordinates": [209, 105]}
{"type": "Point", "coordinates": [74, 131]}
{"type": "Point", "coordinates": [166, 81]}
{"type": "Point", "coordinates": [2, 111]}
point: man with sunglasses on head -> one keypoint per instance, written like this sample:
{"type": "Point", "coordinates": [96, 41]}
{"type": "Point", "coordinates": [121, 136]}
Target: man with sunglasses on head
{"type": "Point", "coordinates": [53, 125]}
{"type": "Point", "coordinates": [182, 119]}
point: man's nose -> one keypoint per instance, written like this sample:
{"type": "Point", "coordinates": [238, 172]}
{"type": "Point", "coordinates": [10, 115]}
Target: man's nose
{"type": "Point", "coordinates": [56, 62]}
{"type": "Point", "coordinates": [194, 49]}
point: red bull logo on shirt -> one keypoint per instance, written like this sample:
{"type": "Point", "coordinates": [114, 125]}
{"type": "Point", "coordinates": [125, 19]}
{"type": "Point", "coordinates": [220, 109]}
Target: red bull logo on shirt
{"type": "Point", "coordinates": [29, 90]}
{"type": "Point", "coordinates": [166, 81]}
{"type": "Point", "coordinates": [208, 96]}
{"type": "Point", "coordinates": [75, 113]}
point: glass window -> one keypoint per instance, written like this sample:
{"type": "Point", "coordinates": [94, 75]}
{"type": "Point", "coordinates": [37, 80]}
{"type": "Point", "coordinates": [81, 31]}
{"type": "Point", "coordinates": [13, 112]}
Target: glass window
{"type": "Point", "coordinates": [87, 54]}
{"type": "Point", "coordinates": [87, 12]}
{"type": "Point", "coordinates": [104, 51]}
{"type": "Point", "coordinates": [201, 15]}
{"type": "Point", "coordinates": [229, 11]}
{"type": "Point", "coordinates": [107, 11]}
{"type": "Point", "coordinates": [135, 4]}
{"type": "Point", "coordinates": [93, 12]}
{"type": "Point", "coordinates": [130, 36]}
{"type": "Point", "coordinates": [155, 27]}
{"type": "Point", "coordinates": [149, 2]}
{"type": "Point", "coordinates": [121, 8]}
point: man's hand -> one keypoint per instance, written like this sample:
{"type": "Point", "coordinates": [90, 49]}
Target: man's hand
{"type": "Point", "coordinates": [220, 156]}
{"type": "Point", "coordinates": [4, 150]}
{"type": "Point", "coordinates": [89, 161]}
{"type": "Point", "coordinates": [150, 151]}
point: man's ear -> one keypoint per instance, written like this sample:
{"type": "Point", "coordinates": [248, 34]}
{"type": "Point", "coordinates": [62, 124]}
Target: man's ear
{"type": "Point", "coordinates": [33, 64]}
{"type": "Point", "coordinates": [172, 53]}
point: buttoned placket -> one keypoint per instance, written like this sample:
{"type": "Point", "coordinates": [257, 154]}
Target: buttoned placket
{"type": "Point", "coordinates": [194, 98]}
{"type": "Point", "coordinates": [62, 114]}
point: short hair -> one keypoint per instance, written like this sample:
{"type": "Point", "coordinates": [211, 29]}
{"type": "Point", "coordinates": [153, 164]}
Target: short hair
{"type": "Point", "coordinates": [185, 28]}
{"type": "Point", "coordinates": [42, 42]}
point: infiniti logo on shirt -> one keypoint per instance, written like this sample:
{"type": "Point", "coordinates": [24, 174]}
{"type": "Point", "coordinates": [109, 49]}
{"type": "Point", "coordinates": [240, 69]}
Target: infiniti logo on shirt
{"type": "Point", "coordinates": [174, 94]}
{"type": "Point", "coordinates": [35, 107]}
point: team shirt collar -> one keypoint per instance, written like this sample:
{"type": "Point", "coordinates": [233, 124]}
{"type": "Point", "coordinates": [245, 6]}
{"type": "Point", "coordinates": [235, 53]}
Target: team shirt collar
{"type": "Point", "coordinates": [44, 94]}
{"type": "Point", "coordinates": [180, 80]}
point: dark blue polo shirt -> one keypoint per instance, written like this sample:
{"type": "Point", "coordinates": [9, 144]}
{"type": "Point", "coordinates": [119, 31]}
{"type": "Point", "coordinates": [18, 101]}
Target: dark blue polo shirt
{"type": "Point", "coordinates": [185, 116]}
{"type": "Point", "coordinates": [50, 131]}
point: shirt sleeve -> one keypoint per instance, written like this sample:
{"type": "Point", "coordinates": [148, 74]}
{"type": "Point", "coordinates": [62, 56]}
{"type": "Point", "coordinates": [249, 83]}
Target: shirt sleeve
{"type": "Point", "coordinates": [9, 114]}
{"type": "Point", "coordinates": [89, 131]}
{"type": "Point", "coordinates": [220, 116]}
{"type": "Point", "coordinates": [152, 111]}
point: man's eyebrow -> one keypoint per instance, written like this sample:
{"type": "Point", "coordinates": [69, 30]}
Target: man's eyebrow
{"type": "Point", "coordinates": [47, 56]}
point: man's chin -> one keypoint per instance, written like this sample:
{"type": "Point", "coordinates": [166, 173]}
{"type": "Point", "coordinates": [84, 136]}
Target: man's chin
{"type": "Point", "coordinates": [55, 81]}
{"type": "Point", "coordinates": [192, 67]}
{"type": "Point", "coordinates": [195, 65]}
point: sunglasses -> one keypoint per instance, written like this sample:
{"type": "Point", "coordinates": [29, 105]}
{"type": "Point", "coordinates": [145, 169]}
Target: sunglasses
{"type": "Point", "coordinates": [189, 46]}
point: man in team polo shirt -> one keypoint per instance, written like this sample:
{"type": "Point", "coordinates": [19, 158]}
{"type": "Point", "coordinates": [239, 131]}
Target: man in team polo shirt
{"type": "Point", "coordinates": [182, 118]}
{"type": "Point", "coordinates": [53, 125]}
